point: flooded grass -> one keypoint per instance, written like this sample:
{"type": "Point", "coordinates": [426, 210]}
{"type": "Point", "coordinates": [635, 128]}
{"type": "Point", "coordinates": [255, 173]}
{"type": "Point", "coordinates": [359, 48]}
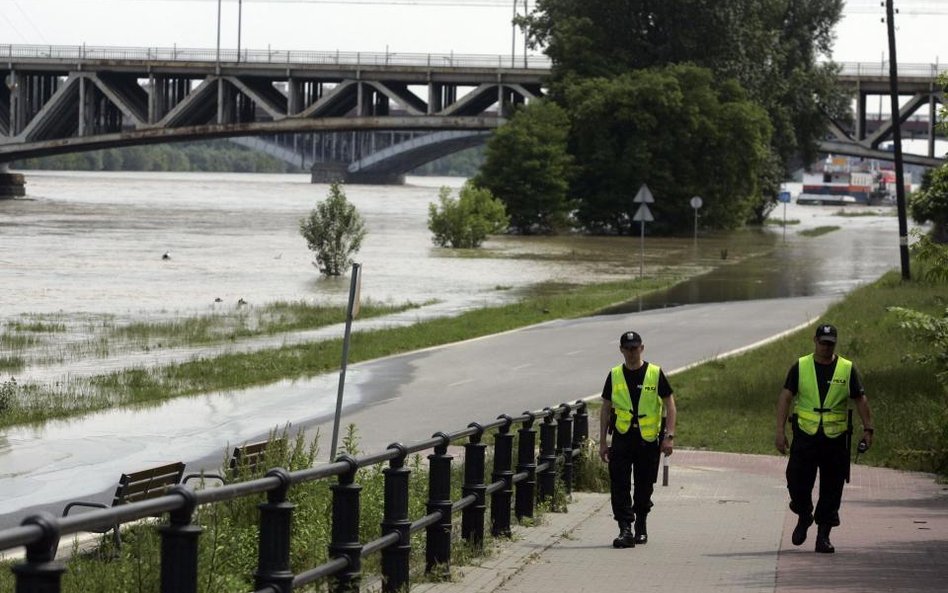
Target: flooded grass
{"type": "Point", "coordinates": [101, 336]}
{"type": "Point", "coordinates": [820, 230]}
{"type": "Point", "coordinates": [11, 363]}
{"type": "Point", "coordinates": [860, 213]}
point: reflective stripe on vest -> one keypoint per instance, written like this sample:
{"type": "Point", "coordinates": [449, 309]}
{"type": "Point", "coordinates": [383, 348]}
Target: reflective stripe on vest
{"type": "Point", "coordinates": [833, 411]}
{"type": "Point", "coordinates": [650, 404]}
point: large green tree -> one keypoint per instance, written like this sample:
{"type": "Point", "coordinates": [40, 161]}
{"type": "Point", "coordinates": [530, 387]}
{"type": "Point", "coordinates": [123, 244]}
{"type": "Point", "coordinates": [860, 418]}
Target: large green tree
{"type": "Point", "coordinates": [771, 47]}
{"type": "Point", "coordinates": [676, 129]}
{"type": "Point", "coordinates": [527, 167]}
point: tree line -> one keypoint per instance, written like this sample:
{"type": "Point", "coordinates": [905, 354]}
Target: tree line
{"type": "Point", "coordinates": [716, 98]}
{"type": "Point", "coordinates": [209, 156]}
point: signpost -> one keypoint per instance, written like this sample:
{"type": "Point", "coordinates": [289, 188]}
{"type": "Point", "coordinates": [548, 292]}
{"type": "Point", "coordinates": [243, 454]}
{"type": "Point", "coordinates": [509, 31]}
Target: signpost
{"type": "Point", "coordinates": [784, 197]}
{"type": "Point", "coordinates": [696, 203]}
{"type": "Point", "coordinates": [643, 198]}
{"type": "Point", "coordinates": [355, 288]}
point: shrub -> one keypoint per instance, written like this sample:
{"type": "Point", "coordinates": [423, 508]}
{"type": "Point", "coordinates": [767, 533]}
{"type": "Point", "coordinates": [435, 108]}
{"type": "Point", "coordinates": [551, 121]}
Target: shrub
{"type": "Point", "coordinates": [333, 231]}
{"type": "Point", "coordinates": [7, 395]}
{"type": "Point", "coordinates": [466, 221]}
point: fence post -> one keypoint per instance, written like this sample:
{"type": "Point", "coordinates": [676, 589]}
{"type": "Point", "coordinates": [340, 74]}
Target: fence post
{"type": "Point", "coordinates": [548, 456]}
{"type": "Point", "coordinates": [395, 559]}
{"type": "Point", "coordinates": [179, 546]}
{"type": "Point", "coordinates": [273, 553]}
{"type": "Point", "coordinates": [564, 445]}
{"type": "Point", "coordinates": [345, 528]}
{"type": "Point", "coordinates": [500, 500]}
{"type": "Point", "coordinates": [472, 517]}
{"type": "Point", "coordinates": [41, 573]}
{"type": "Point", "coordinates": [580, 425]}
{"type": "Point", "coordinates": [438, 536]}
{"type": "Point", "coordinates": [526, 462]}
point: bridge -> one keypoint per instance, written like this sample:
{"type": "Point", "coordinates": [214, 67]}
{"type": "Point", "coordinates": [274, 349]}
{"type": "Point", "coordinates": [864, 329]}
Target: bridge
{"type": "Point", "coordinates": [59, 99]}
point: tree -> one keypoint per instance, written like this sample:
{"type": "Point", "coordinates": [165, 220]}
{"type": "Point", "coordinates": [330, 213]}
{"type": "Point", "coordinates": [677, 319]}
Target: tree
{"type": "Point", "coordinates": [333, 231]}
{"type": "Point", "coordinates": [465, 222]}
{"type": "Point", "coordinates": [676, 129]}
{"type": "Point", "coordinates": [930, 202]}
{"type": "Point", "coordinates": [772, 48]}
{"type": "Point", "coordinates": [527, 168]}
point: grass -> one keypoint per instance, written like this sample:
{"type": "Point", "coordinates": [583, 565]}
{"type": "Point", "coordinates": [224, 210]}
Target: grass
{"type": "Point", "coordinates": [820, 230]}
{"type": "Point", "coordinates": [778, 222]}
{"type": "Point", "coordinates": [729, 404]}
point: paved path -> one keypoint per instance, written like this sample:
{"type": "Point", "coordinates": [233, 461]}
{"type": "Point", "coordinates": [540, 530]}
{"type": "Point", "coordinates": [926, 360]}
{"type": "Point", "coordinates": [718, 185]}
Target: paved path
{"type": "Point", "coordinates": [722, 525]}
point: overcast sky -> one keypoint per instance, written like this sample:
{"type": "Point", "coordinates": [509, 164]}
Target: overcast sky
{"type": "Point", "coordinates": [412, 26]}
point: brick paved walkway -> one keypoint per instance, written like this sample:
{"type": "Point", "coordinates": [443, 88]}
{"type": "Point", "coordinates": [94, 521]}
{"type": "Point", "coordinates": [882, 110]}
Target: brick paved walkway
{"type": "Point", "coordinates": [721, 525]}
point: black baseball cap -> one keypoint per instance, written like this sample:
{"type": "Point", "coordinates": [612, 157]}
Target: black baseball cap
{"type": "Point", "coordinates": [826, 333]}
{"type": "Point", "coordinates": [631, 339]}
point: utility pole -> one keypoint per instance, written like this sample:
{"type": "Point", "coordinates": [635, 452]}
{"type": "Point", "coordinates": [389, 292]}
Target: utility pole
{"type": "Point", "coordinates": [218, 54]}
{"type": "Point", "coordinates": [897, 141]}
{"type": "Point", "coordinates": [240, 10]}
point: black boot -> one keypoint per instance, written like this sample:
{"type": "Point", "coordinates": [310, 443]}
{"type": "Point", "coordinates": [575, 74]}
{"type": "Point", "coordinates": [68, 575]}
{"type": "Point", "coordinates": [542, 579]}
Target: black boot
{"type": "Point", "coordinates": [799, 532]}
{"type": "Point", "coordinates": [823, 545]}
{"type": "Point", "coordinates": [625, 538]}
{"type": "Point", "coordinates": [641, 531]}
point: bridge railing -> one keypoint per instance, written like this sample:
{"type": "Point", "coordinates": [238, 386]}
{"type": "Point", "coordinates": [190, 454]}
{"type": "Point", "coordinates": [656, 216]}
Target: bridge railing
{"type": "Point", "coordinates": [84, 53]}
{"type": "Point", "coordinates": [516, 484]}
{"type": "Point", "coordinates": [881, 69]}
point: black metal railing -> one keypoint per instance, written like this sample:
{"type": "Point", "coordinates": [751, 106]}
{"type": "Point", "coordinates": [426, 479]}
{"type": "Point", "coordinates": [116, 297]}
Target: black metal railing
{"type": "Point", "coordinates": [562, 432]}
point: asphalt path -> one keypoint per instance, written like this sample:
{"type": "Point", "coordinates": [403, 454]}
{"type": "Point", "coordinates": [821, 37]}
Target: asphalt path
{"type": "Point", "coordinates": [403, 398]}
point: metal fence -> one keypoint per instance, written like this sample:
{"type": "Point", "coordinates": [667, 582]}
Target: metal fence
{"type": "Point", "coordinates": [84, 53]}
{"type": "Point", "coordinates": [514, 489]}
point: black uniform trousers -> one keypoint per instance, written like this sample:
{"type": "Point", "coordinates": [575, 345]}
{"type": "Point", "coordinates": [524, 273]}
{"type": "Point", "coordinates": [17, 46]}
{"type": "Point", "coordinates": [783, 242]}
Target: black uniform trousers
{"type": "Point", "coordinates": [631, 457]}
{"type": "Point", "coordinates": [809, 453]}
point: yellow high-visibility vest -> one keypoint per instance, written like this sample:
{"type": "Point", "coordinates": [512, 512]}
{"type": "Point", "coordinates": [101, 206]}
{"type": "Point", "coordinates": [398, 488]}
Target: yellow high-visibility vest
{"type": "Point", "coordinates": [832, 414]}
{"type": "Point", "coordinates": [651, 406]}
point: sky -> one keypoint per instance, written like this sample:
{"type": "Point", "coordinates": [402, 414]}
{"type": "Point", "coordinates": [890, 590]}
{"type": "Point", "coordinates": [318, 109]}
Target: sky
{"type": "Point", "coordinates": [408, 26]}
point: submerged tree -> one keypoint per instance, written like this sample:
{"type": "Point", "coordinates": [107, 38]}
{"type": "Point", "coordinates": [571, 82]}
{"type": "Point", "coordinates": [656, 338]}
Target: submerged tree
{"type": "Point", "coordinates": [333, 231]}
{"type": "Point", "coordinates": [466, 221]}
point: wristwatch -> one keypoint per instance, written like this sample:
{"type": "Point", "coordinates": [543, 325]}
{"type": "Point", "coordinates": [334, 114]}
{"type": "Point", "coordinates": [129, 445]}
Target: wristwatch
{"type": "Point", "coordinates": [670, 436]}
{"type": "Point", "coordinates": [869, 430]}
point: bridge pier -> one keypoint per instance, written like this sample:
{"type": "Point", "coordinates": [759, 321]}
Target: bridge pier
{"type": "Point", "coordinates": [12, 185]}
{"type": "Point", "coordinates": [339, 172]}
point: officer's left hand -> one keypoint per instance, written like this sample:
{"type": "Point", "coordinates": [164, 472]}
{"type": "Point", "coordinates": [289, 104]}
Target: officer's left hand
{"type": "Point", "coordinates": [668, 446]}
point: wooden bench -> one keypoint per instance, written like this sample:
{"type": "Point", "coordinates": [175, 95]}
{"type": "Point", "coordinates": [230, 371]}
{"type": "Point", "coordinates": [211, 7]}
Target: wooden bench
{"type": "Point", "coordinates": [246, 458]}
{"type": "Point", "coordinates": [136, 486]}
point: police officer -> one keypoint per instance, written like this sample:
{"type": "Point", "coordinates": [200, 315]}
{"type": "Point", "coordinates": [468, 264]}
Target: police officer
{"type": "Point", "coordinates": [819, 386]}
{"type": "Point", "coordinates": [636, 400]}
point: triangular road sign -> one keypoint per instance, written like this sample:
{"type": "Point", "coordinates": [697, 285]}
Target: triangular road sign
{"type": "Point", "coordinates": [643, 214]}
{"type": "Point", "coordinates": [644, 196]}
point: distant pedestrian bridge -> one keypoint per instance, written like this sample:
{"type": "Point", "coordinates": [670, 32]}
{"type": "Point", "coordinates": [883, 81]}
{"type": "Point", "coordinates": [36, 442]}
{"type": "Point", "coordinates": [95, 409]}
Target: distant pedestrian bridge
{"type": "Point", "coordinates": [363, 114]}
